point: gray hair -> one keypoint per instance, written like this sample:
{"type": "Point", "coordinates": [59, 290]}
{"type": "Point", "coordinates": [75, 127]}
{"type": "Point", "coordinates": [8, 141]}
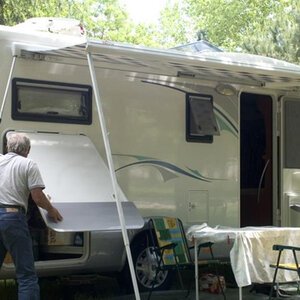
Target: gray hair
{"type": "Point", "coordinates": [18, 143]}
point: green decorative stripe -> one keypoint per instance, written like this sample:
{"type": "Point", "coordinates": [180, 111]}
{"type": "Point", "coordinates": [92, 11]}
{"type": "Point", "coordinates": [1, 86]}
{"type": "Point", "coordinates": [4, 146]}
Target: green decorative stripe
{"type": "Point", "coordinates": [167, 167]}
{"type": "Point", "coordinates": [225, 123]}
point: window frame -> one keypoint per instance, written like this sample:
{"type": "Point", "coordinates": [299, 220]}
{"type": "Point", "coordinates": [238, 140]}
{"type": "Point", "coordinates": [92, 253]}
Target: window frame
{"type": "Point", "coordinates": [85, 90]}
{"type": "Point", "coordinates": [206, 138]}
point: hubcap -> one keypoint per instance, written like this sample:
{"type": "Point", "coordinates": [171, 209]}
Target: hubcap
{"type": "Point", "coordinates": [146, 265]}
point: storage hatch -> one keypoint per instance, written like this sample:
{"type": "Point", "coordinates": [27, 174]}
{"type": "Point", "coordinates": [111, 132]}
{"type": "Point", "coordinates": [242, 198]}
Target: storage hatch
{"type": "Point", "coordinates": [79, 183]}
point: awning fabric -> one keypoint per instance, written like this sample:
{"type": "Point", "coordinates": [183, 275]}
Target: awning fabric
{"type": "Point", "coordinates": [218, 66]}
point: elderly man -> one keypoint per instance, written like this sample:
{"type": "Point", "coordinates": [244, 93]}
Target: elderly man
{"type": "Point", "coordinates": [19, 177]}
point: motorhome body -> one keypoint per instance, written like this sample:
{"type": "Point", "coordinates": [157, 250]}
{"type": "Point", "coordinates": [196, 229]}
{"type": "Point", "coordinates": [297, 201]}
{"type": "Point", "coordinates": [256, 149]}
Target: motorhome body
{"type": "Point", "coordinates": [209, 138]}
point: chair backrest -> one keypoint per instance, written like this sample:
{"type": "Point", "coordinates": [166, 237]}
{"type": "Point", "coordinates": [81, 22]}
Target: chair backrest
{"type": "Point", "coordinates": [169, 230]}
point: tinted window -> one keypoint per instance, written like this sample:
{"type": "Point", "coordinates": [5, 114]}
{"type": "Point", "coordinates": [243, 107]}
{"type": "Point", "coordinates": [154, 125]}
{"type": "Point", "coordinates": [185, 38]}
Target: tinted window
{"type": "Point", "coordinates": [51, 102]}
{"type": "Point", "coordinates": [201, 124]}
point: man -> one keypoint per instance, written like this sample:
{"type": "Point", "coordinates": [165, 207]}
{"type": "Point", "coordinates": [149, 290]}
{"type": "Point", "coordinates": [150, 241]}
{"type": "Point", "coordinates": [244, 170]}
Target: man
{"type": "Point", "coordinates": [19, 177]}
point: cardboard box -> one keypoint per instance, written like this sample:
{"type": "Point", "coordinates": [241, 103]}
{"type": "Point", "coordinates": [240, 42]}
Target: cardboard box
{"type": "Point", "coordinates": [54, 238]}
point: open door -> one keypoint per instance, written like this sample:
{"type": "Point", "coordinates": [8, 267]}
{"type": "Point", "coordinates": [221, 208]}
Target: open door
{"type": "Point", "coordinates": [256, 160]}
{"type": "Point", "coordinates": [290, 171]}
{"type": "Point", "coordinates": [78, 181]}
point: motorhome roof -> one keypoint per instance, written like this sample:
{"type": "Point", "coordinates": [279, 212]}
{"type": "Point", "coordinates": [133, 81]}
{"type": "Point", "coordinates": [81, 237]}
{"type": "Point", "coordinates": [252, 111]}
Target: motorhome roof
{"type": "Point", "coordinates": [15, 34]}
{"type": "Point", "coordinates": [53, 25]}
{"type": "Point", "coordinates": [218, 66]}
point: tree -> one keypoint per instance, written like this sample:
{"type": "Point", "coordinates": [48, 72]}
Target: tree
{"type": "Point", "coordinates": [105, 19]}
{"type": "Point", "coordinates": [100, 17]}
{"type": "Point", "coordinates": [171, 28]}
{"type": "Point", "coordinates": [281, 39]}
{"type": "Point", "coordinates": [13, 13]}
{"type": "Point", "coordinates": [269, 27]}
{"type": "Point", "coordinates": [227, 21]}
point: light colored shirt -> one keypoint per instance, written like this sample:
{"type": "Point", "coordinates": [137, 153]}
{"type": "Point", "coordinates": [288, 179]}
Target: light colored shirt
{"type": "Point", "coordinates": [18, 176]}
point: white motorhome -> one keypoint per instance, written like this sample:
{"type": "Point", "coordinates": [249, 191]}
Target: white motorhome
{"type": "Point", "coordinates": [209, 138]}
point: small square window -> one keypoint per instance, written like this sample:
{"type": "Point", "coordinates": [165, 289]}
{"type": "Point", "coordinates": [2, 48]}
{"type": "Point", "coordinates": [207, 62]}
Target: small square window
{"type": "Point", "coordinates": [201, 124]}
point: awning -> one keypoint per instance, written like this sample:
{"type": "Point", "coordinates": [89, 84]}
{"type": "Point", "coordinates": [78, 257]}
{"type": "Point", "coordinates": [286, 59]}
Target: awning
{"type": "Point", "coordinates": [224, 67]}
{"type": "Point", "coordinates": [78, 181]}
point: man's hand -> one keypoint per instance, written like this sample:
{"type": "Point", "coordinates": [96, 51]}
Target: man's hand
{"type": "Point", "coordinates": [43, 201]}
{"type": "Point", "coordinates": [54, 214]}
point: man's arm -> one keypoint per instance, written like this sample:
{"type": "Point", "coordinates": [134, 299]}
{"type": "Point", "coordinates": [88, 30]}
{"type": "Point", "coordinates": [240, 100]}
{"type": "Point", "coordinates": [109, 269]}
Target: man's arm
{"type": "Point", "coordinates": [42, 201]}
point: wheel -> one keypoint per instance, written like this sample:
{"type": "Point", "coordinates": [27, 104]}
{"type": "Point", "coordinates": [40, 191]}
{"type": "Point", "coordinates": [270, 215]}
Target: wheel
{"type": "Point", "coordinates": [145, 269]}
{"type": "Point", "coordinates": [144, 262]}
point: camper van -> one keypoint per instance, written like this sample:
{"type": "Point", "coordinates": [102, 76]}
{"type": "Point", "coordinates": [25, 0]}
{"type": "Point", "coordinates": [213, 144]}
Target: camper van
{"type": "Point", "coordinates": [209, 138]}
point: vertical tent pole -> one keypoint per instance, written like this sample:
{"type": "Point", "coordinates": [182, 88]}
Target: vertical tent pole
{"type": "Point", "coordinates": [112, 172]}
{"type": "Point", "coordinates": [7, 85]}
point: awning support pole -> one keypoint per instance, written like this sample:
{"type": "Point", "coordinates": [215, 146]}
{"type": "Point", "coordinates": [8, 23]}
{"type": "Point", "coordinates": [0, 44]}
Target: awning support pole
{"type": "Point", "coordinates": [7, 85]}
{"type": "Point", "coordinates": [112, 172]}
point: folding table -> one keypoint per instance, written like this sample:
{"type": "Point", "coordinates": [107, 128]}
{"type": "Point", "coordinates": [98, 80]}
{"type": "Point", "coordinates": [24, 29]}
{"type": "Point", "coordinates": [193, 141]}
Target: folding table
{"type": "Point", "coordinates": [251, 253]}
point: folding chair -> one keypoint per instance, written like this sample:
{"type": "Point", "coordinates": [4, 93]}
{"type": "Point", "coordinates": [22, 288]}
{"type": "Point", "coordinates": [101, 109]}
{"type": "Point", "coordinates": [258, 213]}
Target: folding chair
{"type": "Point", "coordinates": [294, 267]}
{"type": "Point", "coordinates": [170, 248]}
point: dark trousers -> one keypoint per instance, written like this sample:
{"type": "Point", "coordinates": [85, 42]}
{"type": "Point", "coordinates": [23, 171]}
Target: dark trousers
{"type": "Point", "coordinates": [15, 238]}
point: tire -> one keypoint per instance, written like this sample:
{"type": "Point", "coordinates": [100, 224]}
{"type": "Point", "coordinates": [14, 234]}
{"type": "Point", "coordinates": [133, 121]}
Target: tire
{"type": "Point", "coordinates": [145, 262]}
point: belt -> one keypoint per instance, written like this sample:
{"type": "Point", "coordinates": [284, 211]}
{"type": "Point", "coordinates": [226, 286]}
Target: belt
{"type": "Point", "coordinates": [11, 208]}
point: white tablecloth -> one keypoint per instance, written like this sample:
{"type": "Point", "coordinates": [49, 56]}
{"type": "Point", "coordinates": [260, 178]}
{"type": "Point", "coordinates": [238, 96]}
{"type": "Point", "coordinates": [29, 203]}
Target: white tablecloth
{"type": "Point", "coordinates": [252, 253]}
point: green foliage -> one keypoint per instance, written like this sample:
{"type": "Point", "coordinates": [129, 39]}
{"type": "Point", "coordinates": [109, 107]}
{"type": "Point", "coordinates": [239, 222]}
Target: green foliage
{"type": "Point", "coordinates": [269, 27]}
{"type": "Point", "coordinates": [226, 22]}
{"type": "Point", "coordinates": [255, 26]}
{"type": "Point", "coordinates": [172, 27]}
{"type": "Point", "coordinates": [281, 39]}
{"type": "Point", "coordinates": [100, 17]}
{"type": "Point", "coordinates": [13, 13]}
{"type": "Point", "coordinates": [105, 19]}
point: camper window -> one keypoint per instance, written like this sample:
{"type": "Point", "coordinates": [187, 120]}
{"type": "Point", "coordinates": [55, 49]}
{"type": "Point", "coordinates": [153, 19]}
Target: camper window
{"type": "Point", "coordinates": [51, 102]}
{"type": "Point", "coordinates": [201, 124]}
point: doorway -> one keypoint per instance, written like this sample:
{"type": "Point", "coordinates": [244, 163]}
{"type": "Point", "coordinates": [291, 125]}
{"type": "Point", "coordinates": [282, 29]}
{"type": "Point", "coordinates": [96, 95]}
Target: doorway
{"type": "Point", "coordinates": [256, 160]}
